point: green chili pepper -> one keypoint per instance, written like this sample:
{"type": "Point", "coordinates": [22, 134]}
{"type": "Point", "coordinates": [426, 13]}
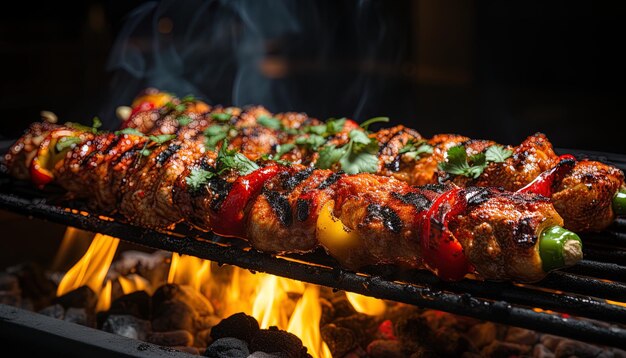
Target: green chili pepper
{"type": "Point", "coordinates": [559, 248]}
{"type": "Point", "coordinates": [619, 202]}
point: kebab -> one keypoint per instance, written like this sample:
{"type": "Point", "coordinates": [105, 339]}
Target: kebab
{"type": "Point", "coordinates": [359, 219]}
{"type": "Point", "coordinates": [587, 194]}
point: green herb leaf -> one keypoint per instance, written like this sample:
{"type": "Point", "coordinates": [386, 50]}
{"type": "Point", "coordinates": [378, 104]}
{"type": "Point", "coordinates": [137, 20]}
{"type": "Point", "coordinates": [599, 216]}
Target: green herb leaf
{"type": "Point", "coordinates": [129, 130]}
{"type": "Point", "coordinates": [162, 138]}
{"type": "Point", "coordinates": [183, 120]}
{"type": "Point", "coordinates": [97, 123]}
{"type": "Point", "coordinates": [146, 152]}
{"type": "Point", "coordinates": [222, 117]}
{"type": "Point", "coordinates": [319, 129]}
{"type": "Point", "coordinates": [360, 137]}
{"type": "Point", "coordinates": [67, 142]}
{"type": "Point", "coordinates": [282, 149]}
{"type": "Point", "coordinates": [198, 177]}
{"type": "Point", "coordinates": [231, 159]}
{"type": "Point", "coordinates": [363, 162]}
{"type": "Point", "coordinates": [334, 126]}
{"type": "Point", "coordinates": [214, 134]}
{"type": "Point", "coordinates": [269, 122]}
{"type": "Point", "coordinates": [330, 155]}
{"type": "Point", "coordinates": [188, 98]}
{"type": "Point", "coordinates": [365, 125]}
{"type": "Point", "coordinates": [312, 142]}
{"type": "Point", "coordinates": [414, 149]}
{"type": "Point", "coordinates": [497, 154]}
{"type": "Point", "coordinates": [457, 163]}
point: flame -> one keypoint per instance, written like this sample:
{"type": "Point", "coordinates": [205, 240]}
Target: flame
{"type": "Point", "coordinates": [368, 305]}
{"type": "Point", "coordinates": [104, 299]}
{"type": "Point", "coordinates": [134, 282]}
{"type": "Point", "coordinates": [75, 242]}
{"type": "Point", "coordinates": [189, 270]}
{"type": "Point", "coordinates": [305, 323]}
{"type": "Point", "coordinates": [267, 307]}
{"type": "Point", "coordinates": [92, 268]}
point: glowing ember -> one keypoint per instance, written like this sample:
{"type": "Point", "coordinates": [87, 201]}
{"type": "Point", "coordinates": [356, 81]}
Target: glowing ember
{"type": "Point", "coordinates": [92, 268]}
{"type": "Point", "coordinates": [368, 305]}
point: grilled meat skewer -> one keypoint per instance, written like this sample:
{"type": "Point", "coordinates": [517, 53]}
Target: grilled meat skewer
{"type": "Point", "coordinates": [587, 195]}
{"type": "Point", "coordinates": [362, 219]}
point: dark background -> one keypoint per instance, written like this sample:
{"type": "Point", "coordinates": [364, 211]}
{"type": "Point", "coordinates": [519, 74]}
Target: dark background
{"type": "Point", "coordinates": [486, 69]}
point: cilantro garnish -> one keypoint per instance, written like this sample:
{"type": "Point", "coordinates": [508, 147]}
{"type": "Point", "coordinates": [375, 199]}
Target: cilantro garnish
{"type": "Point", "coordinates": [130, 130]}
{"type": "Point", "coordinates": [365, 125]}
{"type": "Point", "coordinates": [96, 123]}
{"type": "Point", "coordinates": [497, 154]}
{"type": "Point", "coordinates": [162, 138]}
{"type": "Point", "coordinates": [216, 133]}
{"type": "Point", "coordinates": [188, 98]}
{"type": "Point", "coordinates": [269, 122]}
{"type": "Point", "coordinates": [282, 149]}
{"type": "Point", "coordinates": [413, 149]}
{"type": "Point", "coordinates": [231, 159]}
{"type": "Point", "coordinates": [457, 162]}
{"type": "Point", "coordinates": [312, 142]}
{"type": "Point", "coordinates": [334, 126]}
{"type": "Point", "coordinates": [357, 156]}
{"type": "Point", "coordinates": [66, 142]}
{"type": "Point", "coordinates": [180, 107]}
{"type": "Point", "coordinates": [183, 120]}
{"type": "Point", "coordinates": [222, 117]}
{"type": "Point", "coordinates": [198, 177]}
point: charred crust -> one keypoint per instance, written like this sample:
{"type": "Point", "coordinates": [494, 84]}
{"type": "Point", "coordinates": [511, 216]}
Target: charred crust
{"type": "Point", "coordinates": [437, 188]}
{"type": "Point", "coordinates": [164, 155]}
{"type": "Point", "coordinates": [280, 206]}
{"type": "Point", "coordinates": [477, 196]}
{"type": "Point", "coordinates": [303, 209]}
{"type": "Point", "coordinates": [418, 200]}
{"type": "Point", "coordinates": [220, 189]}
{"type": "Point", "coordinates": [524, 233]}
{"type": "Point", "coordinates": [394, 165]}
{"type": "Point", "coordinates": [389, 218]}
{"type": "Point", "coordinates": [332, 179]}
{"type": "Point", "coordinates": [292, 182]}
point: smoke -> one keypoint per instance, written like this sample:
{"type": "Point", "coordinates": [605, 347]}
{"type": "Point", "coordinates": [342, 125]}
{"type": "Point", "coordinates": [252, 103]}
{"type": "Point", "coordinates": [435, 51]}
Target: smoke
{"type": "Point", "coordinates": [320, 57]}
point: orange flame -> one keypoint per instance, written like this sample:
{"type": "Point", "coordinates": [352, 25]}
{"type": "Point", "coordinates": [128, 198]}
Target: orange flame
{"type": "Point", "coordinates": [75, 243]}
{"type": "Point", "coordinates": [104, 299]}
{"type": "Point", "coordinates": [367, 305]}
{"type": "Point", "coordinates": [305, 323]}
{"type": "Point", "coordinates": [92, 268]}
{"type": "Point", "coordinates": [189, 270]}
{"type": "Point", "coordinates": [134, 282]}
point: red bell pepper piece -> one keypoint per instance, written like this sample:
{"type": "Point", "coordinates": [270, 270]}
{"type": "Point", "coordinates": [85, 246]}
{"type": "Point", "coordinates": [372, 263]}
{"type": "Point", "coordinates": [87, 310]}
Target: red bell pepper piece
{"type": "Point", "coordinates": [231, 212]}
{"type": "Point", "coordinates": [545, 183]}
{"type": "Point", "coordinates": [441, 251]}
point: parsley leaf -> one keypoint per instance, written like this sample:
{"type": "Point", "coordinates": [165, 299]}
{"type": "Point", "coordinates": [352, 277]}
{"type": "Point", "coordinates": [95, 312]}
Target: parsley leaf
{"type": "Point", "coordinates": [216, 133]}
{"type": "Point", "coordinates": [365, 125]}
{"type": "Point", "coordinates": [359, 137]}
{"type": "Point", "coordinates": [330, 155]}
{"type": "Point", "coordinates": [497, 154]}
{"type": "Point", "coordinates": [222, 117]}
{"type": "Point", "coordinates": [269, 122]}
{"type": "Point", "coordinates": [130, 130]}
{"type": "Point", "coordinates": [198, 177]}
{"type": "Point", "coordinates": [334, 126]}
{"type": "Point", "coordinates": [188, 98]}
{"type": "Point", "coordinates": [231, 159]}
{"type": "Point", "coordinates": [318, 129]}
{"type": "Point", "coordinates": [66, 142]}
{"type": "Point", "coordinates": [361, 162]}
{"type": "Point", "coordinates": [97, 123]}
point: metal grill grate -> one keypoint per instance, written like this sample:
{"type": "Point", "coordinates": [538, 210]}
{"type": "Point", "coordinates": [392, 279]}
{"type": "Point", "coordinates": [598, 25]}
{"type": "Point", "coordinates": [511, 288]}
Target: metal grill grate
{"type": "Point", "coordinates": [571, 303]}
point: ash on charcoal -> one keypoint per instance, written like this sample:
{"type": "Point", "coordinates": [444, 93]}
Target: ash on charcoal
{"type": "Point", "coordinates": [482, 334]}
{"type": "Point", "coordinates": [82, 297]}
{"type": "Point", "coordinates": [385, 349]}
{"type": "Point", "coordinates": [504, 349]}
{"type": "Point", "coordinates": [239, 325]}
{"type": "Point", "coordinates": [55, 311]}
{"type": "Point", "coordinates": [34, 284]}
{"type": "Point", "coordinates": [363, 326]}
{"type": "Point", "coordinates": [79, 316]}
{"type": "Point", "coordinates": [172, 338]}
{"type": "Point", "coordinates": [127, 326]}
{"type": "Point", "coordinates": [340, 340]}
{"type": "Point", "coordinates": [521, 336]}
{"type": "Point", "coordinates": [569, 348]}
{"type": "Point", "coordinates": [190, 350]}
{"type": "Point", "coordinates": [273, 340]}
{"type": "Point", "coordinates": [227, 347]}
{"type": "Point", "coordinates": [448, 341]}
{"type": "Point", "coordinates": [265, 355]}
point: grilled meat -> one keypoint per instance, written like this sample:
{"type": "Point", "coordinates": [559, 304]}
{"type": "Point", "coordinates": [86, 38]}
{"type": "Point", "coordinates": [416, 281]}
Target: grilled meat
{"type": "Point", "coordinates": [532, 157]}
{"type": "Point", "coordinates": [361, 219]}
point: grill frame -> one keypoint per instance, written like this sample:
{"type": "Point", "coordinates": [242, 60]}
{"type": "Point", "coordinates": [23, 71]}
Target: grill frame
{"type": "Point", "coordinates": [500, 302]}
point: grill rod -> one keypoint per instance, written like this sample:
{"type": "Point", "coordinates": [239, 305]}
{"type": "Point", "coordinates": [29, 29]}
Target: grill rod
{"type": "Point", "coordinates": [430, 294]}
